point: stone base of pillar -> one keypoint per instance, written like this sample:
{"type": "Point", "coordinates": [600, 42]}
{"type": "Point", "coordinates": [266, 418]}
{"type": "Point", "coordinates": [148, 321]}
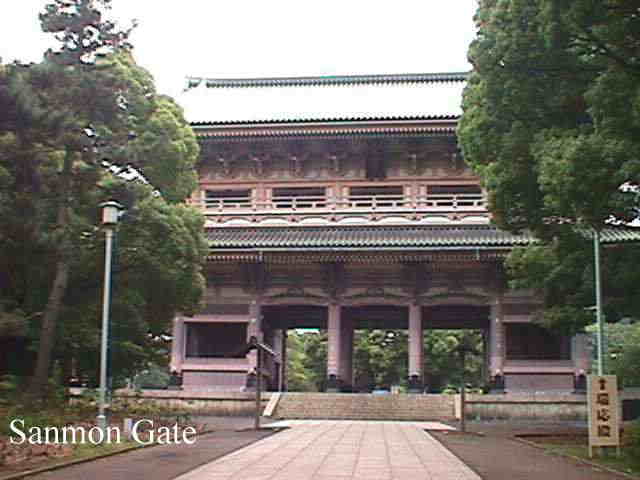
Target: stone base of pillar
{"type": "Point", "coordinates": [580, 384]}
{"type": "Point", "coordinates": [334, 385]}
{"type": "Point", "coordinates": [497, 385]}
{"type": "Point", "coordinates": [415, 384]}
{"type": "Point", "coordinates": [175, 381]}
{"type": "Point", "coordinates": [251, 382]}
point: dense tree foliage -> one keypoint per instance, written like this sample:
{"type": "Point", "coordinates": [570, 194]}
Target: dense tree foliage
{"type": "Point", "coordinates": [551, 124]}
{"type": "Point", "coordinates": [623, 351]}
{"type": "Point", "coordinates": [306, 361]}
{"type": "Point", "coordinates": [380, 359]}
{"type": "Point", "coordinates": [84, 126]}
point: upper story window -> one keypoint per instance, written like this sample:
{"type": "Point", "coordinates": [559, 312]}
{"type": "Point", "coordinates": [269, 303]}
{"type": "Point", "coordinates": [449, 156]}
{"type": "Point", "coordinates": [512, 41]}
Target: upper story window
{"type": "Point", "coordinates": [229, 198]}
{"type": "Point", "coordinates": [454, 189]}
{"type": "Point", "coordinates": [376, 196]}
{"type": "Point", "coordinates": [299, 197]}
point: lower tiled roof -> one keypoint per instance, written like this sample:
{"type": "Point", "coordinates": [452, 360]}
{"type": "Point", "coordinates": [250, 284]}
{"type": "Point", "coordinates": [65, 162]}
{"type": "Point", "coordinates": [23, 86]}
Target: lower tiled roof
{"type": "Point", "coordinates": [369, 237]}
{"type": "Point", "coordinates": [416, 237]}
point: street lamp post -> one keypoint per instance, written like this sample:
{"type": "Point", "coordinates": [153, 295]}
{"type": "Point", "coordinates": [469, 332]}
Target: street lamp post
{"type": "Point", "coordinates": [110, 212]}
{"type": "Point", "coordinates": [599, 316]}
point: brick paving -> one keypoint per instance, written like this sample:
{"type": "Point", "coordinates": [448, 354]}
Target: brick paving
{"type": "Point", "coordinates": [340, 450]}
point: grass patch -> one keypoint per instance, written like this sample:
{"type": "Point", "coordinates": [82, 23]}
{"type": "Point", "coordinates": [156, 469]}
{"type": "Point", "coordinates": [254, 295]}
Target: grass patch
{"type": "Point", "coordinates": [626, 463]}
{"type": "Point", "coordinates": [88, 450]}
{"type": "Point", "coordinates": [80, 452]}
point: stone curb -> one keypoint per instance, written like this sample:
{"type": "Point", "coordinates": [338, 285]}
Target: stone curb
{"type": "Point", "coordinates": [58, 466]}
{"type": "Point", "coordinates": [573, 457]}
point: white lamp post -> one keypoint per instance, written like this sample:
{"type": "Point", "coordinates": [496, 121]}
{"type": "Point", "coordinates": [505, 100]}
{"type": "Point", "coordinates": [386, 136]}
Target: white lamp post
{"type": "Point", "coordinates": [599, 316]}
{"type": "Point", "coordinates": [110, 212]}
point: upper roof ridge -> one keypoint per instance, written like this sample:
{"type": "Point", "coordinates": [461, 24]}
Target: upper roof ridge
{"type": "Point", "coordinates": [193, 82]}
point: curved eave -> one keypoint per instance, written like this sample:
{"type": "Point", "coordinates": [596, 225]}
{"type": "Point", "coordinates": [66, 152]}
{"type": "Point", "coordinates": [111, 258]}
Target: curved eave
{"type": "Point", "coordinates": [383, 127]}
{"type": "Point", "coordinates": [318, 121]}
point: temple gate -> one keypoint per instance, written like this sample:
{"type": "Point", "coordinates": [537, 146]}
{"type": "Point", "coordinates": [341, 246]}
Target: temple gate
{"type": "Point", "coordinates": [343, 203]}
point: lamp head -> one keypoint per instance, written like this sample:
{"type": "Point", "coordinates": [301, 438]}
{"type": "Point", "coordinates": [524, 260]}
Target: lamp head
{"type": "Point", "coordinates": [110, 212]}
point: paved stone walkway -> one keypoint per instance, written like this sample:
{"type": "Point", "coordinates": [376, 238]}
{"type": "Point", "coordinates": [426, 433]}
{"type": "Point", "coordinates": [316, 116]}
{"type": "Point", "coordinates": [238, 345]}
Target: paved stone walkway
{"type": "Point", "coordinates": [346, 450]}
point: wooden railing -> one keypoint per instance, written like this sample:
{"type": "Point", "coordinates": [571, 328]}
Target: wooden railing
{"type": "Point", "coordinates": [288, 204]}
{"type": "Point", "coordinates": [230, 203]}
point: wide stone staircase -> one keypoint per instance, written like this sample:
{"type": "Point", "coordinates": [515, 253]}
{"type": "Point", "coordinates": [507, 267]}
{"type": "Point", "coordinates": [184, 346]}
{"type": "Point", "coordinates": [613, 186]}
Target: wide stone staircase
{"type": "Point", "coordinates": [358, 406]}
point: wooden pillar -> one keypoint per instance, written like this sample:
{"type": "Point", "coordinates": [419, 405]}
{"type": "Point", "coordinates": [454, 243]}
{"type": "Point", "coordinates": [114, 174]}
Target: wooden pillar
{"type": "Point", "coordinates": [416, 349]}
{"type": "Point", "coordinates": [334, 347]}
{"type": "Point", "coordinates": [346, 353]}
{"type": "Point", "coordinates": [580, 353]}
{"type": "Point", "coordinates": [177, 344]}
{"type": "Point", "coordinates": [497, 347]}
{"type": "Point", "coordinates": [283, 361]}
{"type": "Point", "coordinates": [254, 329]}
{"type": "Point", "coordinates": [581, 357]}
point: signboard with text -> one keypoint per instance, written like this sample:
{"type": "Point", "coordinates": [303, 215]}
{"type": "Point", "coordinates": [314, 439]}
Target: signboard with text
{"type": "Point", "coordinates": [602, 404]}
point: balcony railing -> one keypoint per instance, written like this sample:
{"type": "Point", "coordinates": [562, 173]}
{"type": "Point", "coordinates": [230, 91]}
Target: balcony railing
{"type": "Point", "coordinates": [352, 203]}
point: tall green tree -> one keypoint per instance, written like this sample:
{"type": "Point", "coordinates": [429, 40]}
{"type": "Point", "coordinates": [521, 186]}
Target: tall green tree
{"type": "Point", "coordinates": [551, 124]}
{"type": "Point", "coordinates": [83, 126]}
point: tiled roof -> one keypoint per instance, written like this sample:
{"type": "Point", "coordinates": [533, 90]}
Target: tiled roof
{"type": "Point", "coordinates": [326, 80]}
{"type": "Point", "coordinates": [308, 99]}
{"type": "Point", "coordinates": [382, 238]}
{"type": "Point", "coordinates": [619, 235]}
{"type": "Point", "coordinates": [362, 238]}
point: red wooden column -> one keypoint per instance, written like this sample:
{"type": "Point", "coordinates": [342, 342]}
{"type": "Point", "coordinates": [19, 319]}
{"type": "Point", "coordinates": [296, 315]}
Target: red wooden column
{"type": "Point", "coordinates": [580, 354]}
{"type": "Point", "coordinates": [496, 345]}
{"type": "Point", "coordinates": [416, 349]}
{"type": "Point", "coordinates": [346, 353]}
{"type": "Point", "coordinates": [254, 329]}
{"type": "Point", "coordinates": [334, 350]}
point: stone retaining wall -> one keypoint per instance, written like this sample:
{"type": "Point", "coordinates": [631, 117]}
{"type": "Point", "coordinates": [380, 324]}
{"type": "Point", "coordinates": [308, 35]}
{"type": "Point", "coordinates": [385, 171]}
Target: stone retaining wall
{"type": "Point", "coordinates": [323, 405]}
{"type": "Point", "coordinates": [524, 406]}
{"type": "Point", "coordinates": [531, 406]}
{"type": "Point", "coordinates": [195, 402]}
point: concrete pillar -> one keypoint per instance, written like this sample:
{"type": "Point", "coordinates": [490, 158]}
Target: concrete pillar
{"type": "Point", "coordinates": [334, 349]}
{"type": "Point", "coordinates": [416, 349]}
{"type": "Point", "coordinates": [177, 344]}
{"type": "Point", "coordinates": [497, 347]}
{"type": "Point", "coordinates": [346, 353]}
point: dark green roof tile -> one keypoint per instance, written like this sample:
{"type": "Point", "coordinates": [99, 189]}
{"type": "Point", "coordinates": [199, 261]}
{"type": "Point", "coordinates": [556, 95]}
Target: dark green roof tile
{"type": "Point", "coordinates": [382, 237]}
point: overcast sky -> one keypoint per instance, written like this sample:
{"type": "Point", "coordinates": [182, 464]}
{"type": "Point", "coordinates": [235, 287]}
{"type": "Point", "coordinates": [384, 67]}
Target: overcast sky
{"type": "Point", "coordinates": [248, 38]}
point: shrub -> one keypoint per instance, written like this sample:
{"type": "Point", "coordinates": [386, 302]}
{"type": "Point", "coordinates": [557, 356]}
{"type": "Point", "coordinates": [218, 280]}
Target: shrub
{"type": "Point", "coordinates": [634, 441]}
{"type": "Point", "coordinates": [152, 378]}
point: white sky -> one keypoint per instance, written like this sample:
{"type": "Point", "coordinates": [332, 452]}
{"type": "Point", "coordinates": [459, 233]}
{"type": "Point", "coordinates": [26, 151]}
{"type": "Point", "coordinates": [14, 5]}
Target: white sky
{"type": "Point", "coordinates": [257, 38]}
